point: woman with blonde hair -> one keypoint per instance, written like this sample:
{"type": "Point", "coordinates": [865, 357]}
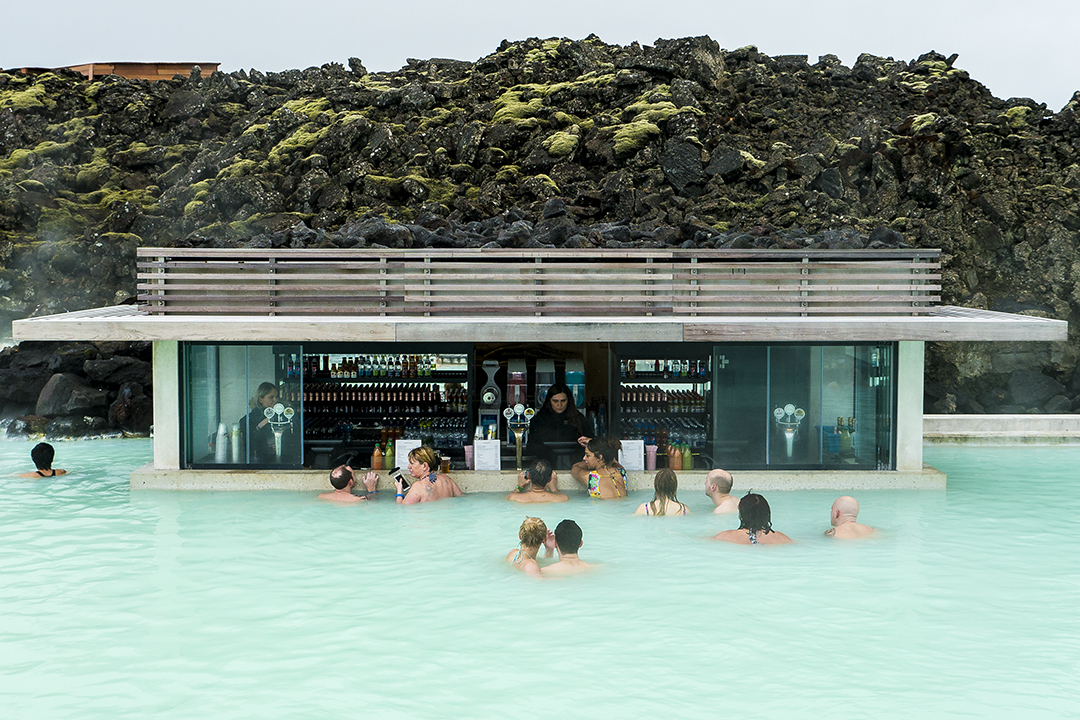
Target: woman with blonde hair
{"type": "Point", "coordinates": [664, 501]}
{"type": "Point", "coordinates": [428, 483]}
{"type": "Point", "coordinates": [532, 534]}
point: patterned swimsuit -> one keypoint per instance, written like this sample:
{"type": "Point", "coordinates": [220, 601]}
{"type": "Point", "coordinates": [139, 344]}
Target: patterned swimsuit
{"type": "Point", "coordinates": [594, 484]}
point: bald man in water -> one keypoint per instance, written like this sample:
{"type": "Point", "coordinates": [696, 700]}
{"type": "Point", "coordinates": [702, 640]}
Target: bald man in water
{"type": "Point", "coordinates": [844, 518]}
{"type": "Point", "coordinates": [718, 487]}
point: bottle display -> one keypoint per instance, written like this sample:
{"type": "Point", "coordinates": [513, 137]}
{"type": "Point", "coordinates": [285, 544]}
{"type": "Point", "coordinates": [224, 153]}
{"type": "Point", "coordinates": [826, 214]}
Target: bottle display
{"type": "Point", "coordinates": [666, 403]}
{"type": "Point", "coordinates": [370, 401]}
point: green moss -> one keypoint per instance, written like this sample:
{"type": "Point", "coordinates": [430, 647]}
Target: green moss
{"type": "Point", "coordinates": [510, 173]}
{"type": "Point", "coordinates": [258, 127]}
{"type": "Point", "coordinates": [633, 136]}
{"type": "Point", "coordinates": [921, 122]}
{"type": "Point", "coordinates": [192, 206]}
{"type": "Point", "coordinates": [547, 51]}
{"type": "Point", "coordinates": [472, 193]}
{"type": "Point", "coordinates": [547, 182]}
{"type": "Point", "coordinates": [720, 226]}
{"type": "Point", "coordinates": [200, 189]}
{"type": "Point", "coordinates": [19, 157]}
{"type": "Point", "coordinates": [239, 168]}
{"type": "Point", "coordinates": [303, 139]}
{"type": "Point", "coordinates": [32, 97]}
{"type": "Point", "coordinates": [228, 108]}
{"type": "Point", "coordinates": [936, 67]}
{"type": "Point", "coordinates": [311, 107]}
{"type": "Point", "coordinates": [440, 191]}
{"type": "Point", "coordinates": [1016, 117]}
{"type": "Point", "coordinates": [111, 194]}
{"type": "Point", "coordinates": [917, 86]}
{"type": "Point", "coordinates": [437, 118]}
{"type": "Point", "coordinates": [751, 161]}
{"type": "Point", "coordinates": [74, 128]}
{"type": "Point", "coordinates": [511, 108]}
{"type": "Point", "coordinates": [561, 144]}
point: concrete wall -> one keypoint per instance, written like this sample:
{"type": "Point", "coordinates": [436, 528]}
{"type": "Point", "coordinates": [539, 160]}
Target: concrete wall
{"type": "Point", "coordinates": [910, 362]}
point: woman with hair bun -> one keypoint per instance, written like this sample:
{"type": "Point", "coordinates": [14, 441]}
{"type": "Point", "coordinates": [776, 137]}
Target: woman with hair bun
{"type": "Point", "coordinates": [532, 534]}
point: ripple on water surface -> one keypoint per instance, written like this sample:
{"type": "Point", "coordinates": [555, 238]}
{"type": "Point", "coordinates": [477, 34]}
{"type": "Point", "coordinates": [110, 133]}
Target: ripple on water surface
{"type": "Point", "coordinates": [277, 605]}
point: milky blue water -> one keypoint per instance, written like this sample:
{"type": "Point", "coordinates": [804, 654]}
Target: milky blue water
{"type": "Point", "coordinates": [275, 605]}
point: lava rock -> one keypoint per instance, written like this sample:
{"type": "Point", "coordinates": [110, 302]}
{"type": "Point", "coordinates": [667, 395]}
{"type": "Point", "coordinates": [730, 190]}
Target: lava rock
{"type": "Point", "coordinates": [1029, 388]}
{"type": "Point", "coordinates": [67, 394]}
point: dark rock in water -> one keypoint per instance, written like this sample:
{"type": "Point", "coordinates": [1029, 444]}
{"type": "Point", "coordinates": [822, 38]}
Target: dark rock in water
{"type": "Point", "coordinates": [27, 425]}
{"type": "Point", "coordinates": [993, 399]}
{"type": "Point", "coordinates": [23, 384]}
{"type": "Point", "coordinates": [132, 411]}
{"type": "Point", "coordinates": [1030, 388]}
{"type": "Point", "coordinates": [74, 426]}
{"type": "Point", "coordinates": [67, 394]}
{"type": "Point", "coordinates": [119, 370]}
{"type": "Point", "coordinates": [71, 358]}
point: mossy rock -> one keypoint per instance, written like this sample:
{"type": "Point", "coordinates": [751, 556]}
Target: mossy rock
{"type": "Point", "coordinates": [309, 107]}
{"type": "Point", "coordinates": [303, 140]}
{"type": "Point", "coordinates": [512, 109]}
{"type": "Point", "coordinates": [1016, 118]}
{"type": "Point", "coordinates": [239, 168]}
{"type": "Point", "coordinates": [923, 122]}
{"type": "Point", "coordinates": [33, 97]}
{"type": "Point", "coordinates": [561, 144]}
{"type": "Point", "coordinates": [633, 136]}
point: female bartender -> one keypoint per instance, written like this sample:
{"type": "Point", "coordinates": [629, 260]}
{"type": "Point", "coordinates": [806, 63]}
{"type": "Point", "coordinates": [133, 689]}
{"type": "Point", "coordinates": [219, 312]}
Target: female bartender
{"type": "Point", "coordinates": [258, 428]}
{"type": "Point", "coordinates": [558, 421]}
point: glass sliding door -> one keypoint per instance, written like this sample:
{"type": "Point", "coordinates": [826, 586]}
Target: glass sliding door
{"type": "Point", "coordinates": [241, 405]}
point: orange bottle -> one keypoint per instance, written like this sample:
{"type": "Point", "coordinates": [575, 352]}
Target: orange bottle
{"type": "Point", "coordinates": [377, 458]}
{"type": "Point", "coordinates": [674, 457]}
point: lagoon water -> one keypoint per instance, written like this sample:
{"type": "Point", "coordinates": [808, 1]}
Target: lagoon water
{"type": "Point", "coordinates": [275, 605]}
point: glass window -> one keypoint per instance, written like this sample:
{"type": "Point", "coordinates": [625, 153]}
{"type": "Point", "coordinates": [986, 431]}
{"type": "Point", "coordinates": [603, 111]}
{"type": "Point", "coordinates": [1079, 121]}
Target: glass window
{"type": "Point", "coordinates": [804, 406]}
{"type": "Point", "coordinates": [241, 405]}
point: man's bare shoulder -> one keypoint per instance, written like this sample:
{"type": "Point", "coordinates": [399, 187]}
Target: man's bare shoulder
{"type": "Point", "coordinates": [851, 531]}
{"type": "Point", "coordinates": [341, 497]}
{"type": "Point", "coordinates": [728, 505]}
{"type": "Point", "coordinates": [565, 568]}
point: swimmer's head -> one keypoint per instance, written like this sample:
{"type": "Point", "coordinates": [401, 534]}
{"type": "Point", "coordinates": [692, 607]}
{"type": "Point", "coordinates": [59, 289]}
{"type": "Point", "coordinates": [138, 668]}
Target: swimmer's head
{"type": "Point", "coordinates": [340, 477]}
{"type": "Point", "coordinates": [540, 473]}
{"type": "Point", "coordinates": [720, 480]}
{"type": "Point", "coordinates": [568, 537]}
{"type": "Point", "coordinates": [844, 507]}
{"type": "Point", "coordinates": [42, 455]}
{"type": "Point", "coordinates": [426, 456]}
{"type": "Point", "coordinates": [666, 483]}
{"type": "Point", "coordinates": [532, 532]}
{"type": "Point", "coordinates": [754, 513]}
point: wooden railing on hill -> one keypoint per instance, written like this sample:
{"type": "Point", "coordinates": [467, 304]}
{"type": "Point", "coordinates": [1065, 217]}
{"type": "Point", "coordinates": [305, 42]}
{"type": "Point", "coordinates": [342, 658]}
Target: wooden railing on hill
{"type": "Point", "coordinates": [602, 282]}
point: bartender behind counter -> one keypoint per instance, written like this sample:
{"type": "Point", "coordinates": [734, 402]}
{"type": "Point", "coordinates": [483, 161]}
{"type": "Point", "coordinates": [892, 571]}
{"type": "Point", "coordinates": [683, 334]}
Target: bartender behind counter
{"type": "Point", "coordinates": [257, 427]}
{"type": "Point", "coordinates": [557, 422]}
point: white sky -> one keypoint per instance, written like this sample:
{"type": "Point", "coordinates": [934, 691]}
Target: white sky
{"type": "Point", "coordinates": [1024, 49]}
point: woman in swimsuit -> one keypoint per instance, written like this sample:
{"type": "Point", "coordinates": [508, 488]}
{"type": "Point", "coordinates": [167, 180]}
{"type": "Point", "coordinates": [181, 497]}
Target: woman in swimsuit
{"type": "Point", "coordinates": [600, 472]}
{"type": "Point", "coordinates": [42, 455]}
{"type": "Point", "coordinates": [532, 534]}
{"type": "Point", "coordinates": [429, 484]}
{"type": "Point", "coordinates": [664, 501]}
{"type": "Point", "coordinates": [755, 524]}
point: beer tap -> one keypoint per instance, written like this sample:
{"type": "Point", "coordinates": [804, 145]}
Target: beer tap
{"type": "Point", "coordinates": [279, 417]}
{"type": "Point", "coordinates": [517, 420]}
{"type": "Point", "coordinates": [788, 419]}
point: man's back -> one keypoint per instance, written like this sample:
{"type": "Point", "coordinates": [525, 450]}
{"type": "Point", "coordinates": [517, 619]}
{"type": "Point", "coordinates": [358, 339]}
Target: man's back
{"type": "Point", "coordinates": [850, 530]}
{"type": "Point", "coordinates": [566, 566]}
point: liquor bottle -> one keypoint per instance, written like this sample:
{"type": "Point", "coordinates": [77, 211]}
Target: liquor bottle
{"type": "Point", "coordinates": [377, 458]}
{"type": "Point", "coordinates": [687, 457]}
{"type": "Point", "coordinates": [631, 368]}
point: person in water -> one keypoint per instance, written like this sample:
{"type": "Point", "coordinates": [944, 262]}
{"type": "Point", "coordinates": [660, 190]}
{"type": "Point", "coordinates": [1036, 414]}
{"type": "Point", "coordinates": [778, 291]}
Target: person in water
{"type": "Point", "coordinates": [568, 539]}
{"type": "Point", "coordinates": [343, 479]}
{"type": "Point", "coordinates": [531, 535]}
{"type": "Point", "coordinates": [428, 483]}
{"type": "Point", "coordinates": [557, 421]}
{"type": "Point", "coordinates": [600, 471]}
{"type": "Point", "coordinates": [539, 478]}
{"type": "Point", "coordinates": [755, 524]}
{"type": "Point", "coordinates": [664, 502]}
{"type": "Point", "coordinates": [844, 517]}
{"type": "Point", "coordinates": [42, 455]}
{"type": "Point", "coordinates": [718, 487]}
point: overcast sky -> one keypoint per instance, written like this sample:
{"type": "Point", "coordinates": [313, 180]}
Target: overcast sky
{"type": "Point", "coordinates": [1025, 49]}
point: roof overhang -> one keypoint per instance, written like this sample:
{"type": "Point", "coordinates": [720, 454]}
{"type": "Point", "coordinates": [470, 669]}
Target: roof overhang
{"type": "Point", "coordinates": [945, 323]}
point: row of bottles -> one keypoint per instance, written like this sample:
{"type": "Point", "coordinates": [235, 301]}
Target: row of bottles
{"type": "Point", "coordinates": [666, 369]}
{"type": "Point", "coordinates": [352, 367]}
{"type": "Point", "coordinates": [385, 400]}
{"type": "Point", "coordinates": [665, 431]}
{"type": "Point", "coordinates": [650, 399]}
